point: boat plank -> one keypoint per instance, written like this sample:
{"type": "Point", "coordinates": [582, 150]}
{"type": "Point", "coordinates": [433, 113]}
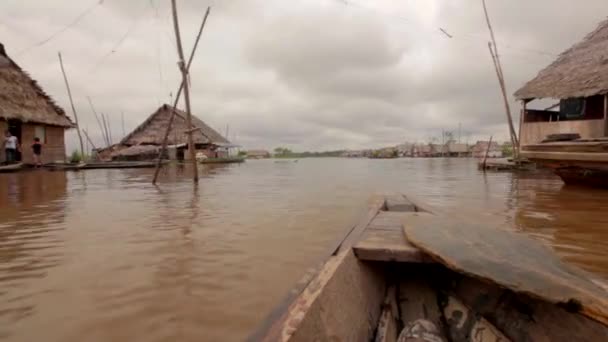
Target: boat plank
{"type": "Point", "coordinates": [388, 220]}
{"type": "Point", "coordinates": [573, 156]}
{"type": "Point", "coordinates": [387, 325]}
{"type": "Point", "coordinates": [302, 314]}
{"type": "Point", "coordinates": [398, 202]}
{"type": "Point", "coordinates": [522, 318]}
{"type": "Point", "coordinates": [508, 259]}
{"type": "Point", "coordinates": [386, 245]}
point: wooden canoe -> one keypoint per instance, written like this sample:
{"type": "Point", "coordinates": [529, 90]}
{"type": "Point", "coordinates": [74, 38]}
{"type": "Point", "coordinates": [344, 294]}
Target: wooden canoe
{"type": "Point", "coordinates": [225, 160]}
{"type": "Point", "coordinates": [379, 279]}
{"type": "Point", "coordinates": [11, 167]}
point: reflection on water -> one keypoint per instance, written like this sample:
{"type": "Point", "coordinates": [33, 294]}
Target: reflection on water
{"type": "Point", "coordinates": [104, 255]}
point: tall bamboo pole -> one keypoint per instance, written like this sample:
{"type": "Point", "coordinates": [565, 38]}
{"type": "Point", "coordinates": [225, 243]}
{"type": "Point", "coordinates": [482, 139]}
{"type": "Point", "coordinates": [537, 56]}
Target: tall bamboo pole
{"type": "Point", "coordinates": [109, 127]}
{"type": "Point", "coordinates": [179, 92]}
{"type": "Point", "coordinates": [485, 157]}
{"type": "Point", "coordinates": [501, 81]}
{"type": "Point", "coordinates": [101, 129]}
{"type": "Point", "coordinates": [122, 122]}
{"type": "Point", "coordinates": [105, 130]}
{"type": "Point", "coordinates": [67, 85]}
{"type": "Point", "coordinates": [182, 67]}
{"type": "Point", "coordinates": [89, 139]}
{"type": "Point", "coordinates": [514, 140]}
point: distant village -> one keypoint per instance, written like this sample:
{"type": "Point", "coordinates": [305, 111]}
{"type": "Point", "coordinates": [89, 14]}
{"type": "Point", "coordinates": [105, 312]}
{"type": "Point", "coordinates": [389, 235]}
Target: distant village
{"type": "Point", "coordinates": [451, 149]}
{"type": "Point", "coordinates": [431, 150]}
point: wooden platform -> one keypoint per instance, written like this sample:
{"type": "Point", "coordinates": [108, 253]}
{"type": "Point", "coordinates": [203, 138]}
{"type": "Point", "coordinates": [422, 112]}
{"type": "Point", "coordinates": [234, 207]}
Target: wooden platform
{"type": "Point", "coordinates": [504, 164]}
{"type": "Point", "coordinates": [11, 167]}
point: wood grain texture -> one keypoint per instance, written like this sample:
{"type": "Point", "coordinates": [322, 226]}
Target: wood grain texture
{"type": "Point", "coordinates": [299, 316]}
{"type": "Point", "coordinates": [508, 259]}
{"type": "Point", "coordinates": [387, 245]}
{"type": "Point", "coordinates": [525, 319]}
{"type": "Point", "coordinates": [567, 156]}
{"type": "Point", "coordinates": [387, 325]}
{"type": "Point", "coordinates": [535, 132]}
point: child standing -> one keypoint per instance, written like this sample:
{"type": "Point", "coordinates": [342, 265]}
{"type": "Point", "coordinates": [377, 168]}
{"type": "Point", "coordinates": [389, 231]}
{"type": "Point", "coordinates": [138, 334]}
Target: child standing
{"type": "Point", "coordinates": [37, 149]}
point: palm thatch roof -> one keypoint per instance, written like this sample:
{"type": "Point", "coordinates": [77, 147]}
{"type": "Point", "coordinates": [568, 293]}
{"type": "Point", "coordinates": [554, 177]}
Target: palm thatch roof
{"type": "Point", "coordinates": [21, 97]}
{"type": "Point", "coordinates": [580, 71]}
{"type": "Point", "coordinates": [152, 130]}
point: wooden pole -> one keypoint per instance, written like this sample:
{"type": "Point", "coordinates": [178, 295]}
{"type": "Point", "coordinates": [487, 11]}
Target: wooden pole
{"type": "Point", "coordinates": [522, 115]}
{"type": "Point", "coordinates": [179, 92]}
{"type": "Point", "coordinates": [103, 135]}
{"type": "Point", "coordinates": [606, 115]}
{"type": "Point", "coordinates": [499, 73]}
{"type": "Point", "coordinates": [89, 139]}
{"type": "Point", "coordinates": [122, 122]}
{"type": "Point", "coordinates": [184, 70]}
{"type": "Point", "coordinates": [67, 85]}
{"type": "Point", "coordinates": [109, 129]}
{"type": "Point", "coordinates": [485, 157]}
{"type": "Point", "coordinates": [105, 130]}
{"type": "Point", "coordinates": [514, 141]}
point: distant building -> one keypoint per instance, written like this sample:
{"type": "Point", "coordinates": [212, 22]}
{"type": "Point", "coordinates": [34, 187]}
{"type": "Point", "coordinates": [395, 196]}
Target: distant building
{"type": "Point", "coordinates": [458, 150]}
{"type": "Point", "coordinates": [405, 149]}
{"type": "Point", "coordinates": [144, 142]}
{"type": "Point", "coordinates": [479, 149]}
{"type": "Point", "coordinates": [28, 112]}
{"type": "Point", "coordinates": [258, 154]}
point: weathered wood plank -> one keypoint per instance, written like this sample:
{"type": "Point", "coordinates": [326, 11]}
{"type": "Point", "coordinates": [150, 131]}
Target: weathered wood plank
{"type": "Point", "coordinates": [398, 202]}
{"type": "Point", "coordinates": [300, 312]}
{"type": "Point", "coordinates": [387, 245]}
{"type": "Point", "coordinates": [346, 283]}
{"type": "Point", "coordinates": [579, 156]}
{"type": "Point", "coordinates": [522, 318]}
{"type": "Point", "coordinates": [387, 325]}
{"type": "Point", "coordinates": [388, 220]}
{"type": "Point", "coordinates": [509, 259]}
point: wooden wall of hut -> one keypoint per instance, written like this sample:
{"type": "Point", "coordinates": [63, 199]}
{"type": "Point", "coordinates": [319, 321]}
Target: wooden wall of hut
{"type": "Point", "coordinates": [51, 137]}
{"type": "Point", "coordinates": [535, 132]}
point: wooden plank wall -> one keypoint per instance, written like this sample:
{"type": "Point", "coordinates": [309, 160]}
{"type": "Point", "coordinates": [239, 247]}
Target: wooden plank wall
{"type": "Point", "coordinates": [535, 132]}
{"type": "Point", "coordinates": [3, 128]}
{"type": "Point", "coordinates": [53, 148]}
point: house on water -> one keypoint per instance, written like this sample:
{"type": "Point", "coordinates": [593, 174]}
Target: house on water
{"type": "Point", "coordinates": [144, 142]}
{"type": "Point", "coordinates": [28, 112]}
{"type": "Point", "coordinates": [578, 81]}
{"type": "Point", "coordinates": [571, 139]}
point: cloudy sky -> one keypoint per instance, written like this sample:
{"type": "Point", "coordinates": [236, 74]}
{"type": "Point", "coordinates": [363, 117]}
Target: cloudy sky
{"type": "Point", "coordinates": [307, 74]}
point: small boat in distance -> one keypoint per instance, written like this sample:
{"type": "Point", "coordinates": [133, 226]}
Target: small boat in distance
{"type": "Point", "coordinates": [404, 265]}
{"type": "Point", "coordinates": [222, 160]}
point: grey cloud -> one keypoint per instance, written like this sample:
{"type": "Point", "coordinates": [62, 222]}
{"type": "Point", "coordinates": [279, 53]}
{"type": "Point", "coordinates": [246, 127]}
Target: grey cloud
{"type": "Point", "coordinates": [307, 74]}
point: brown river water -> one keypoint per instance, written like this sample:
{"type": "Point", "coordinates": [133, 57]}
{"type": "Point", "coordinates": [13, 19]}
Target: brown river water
{"type": "Point", "coordinates": [102, 255]}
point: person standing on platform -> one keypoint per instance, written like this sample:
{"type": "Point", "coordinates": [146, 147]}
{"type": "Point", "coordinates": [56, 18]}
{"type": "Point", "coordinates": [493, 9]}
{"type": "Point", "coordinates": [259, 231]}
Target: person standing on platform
{"type": "Point", "coordinates": [37, 149]}
{"type": "Point", "coordinates": [10, 147]}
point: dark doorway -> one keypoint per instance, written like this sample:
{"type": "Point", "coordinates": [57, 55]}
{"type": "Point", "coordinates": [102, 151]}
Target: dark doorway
{"type": "Point", "coordinates": [14, 126]}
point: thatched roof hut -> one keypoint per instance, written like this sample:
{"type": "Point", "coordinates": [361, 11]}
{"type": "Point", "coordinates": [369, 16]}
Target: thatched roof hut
{"type": "Point", "coordinates": [152, 130]}
{"type": "Point", "coordinates": [580, 71]}
{"type": "Point", "coordinates": [21, 98]}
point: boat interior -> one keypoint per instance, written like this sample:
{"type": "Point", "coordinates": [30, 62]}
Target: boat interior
{"type": "Point", "coordinates": [375, 283]}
